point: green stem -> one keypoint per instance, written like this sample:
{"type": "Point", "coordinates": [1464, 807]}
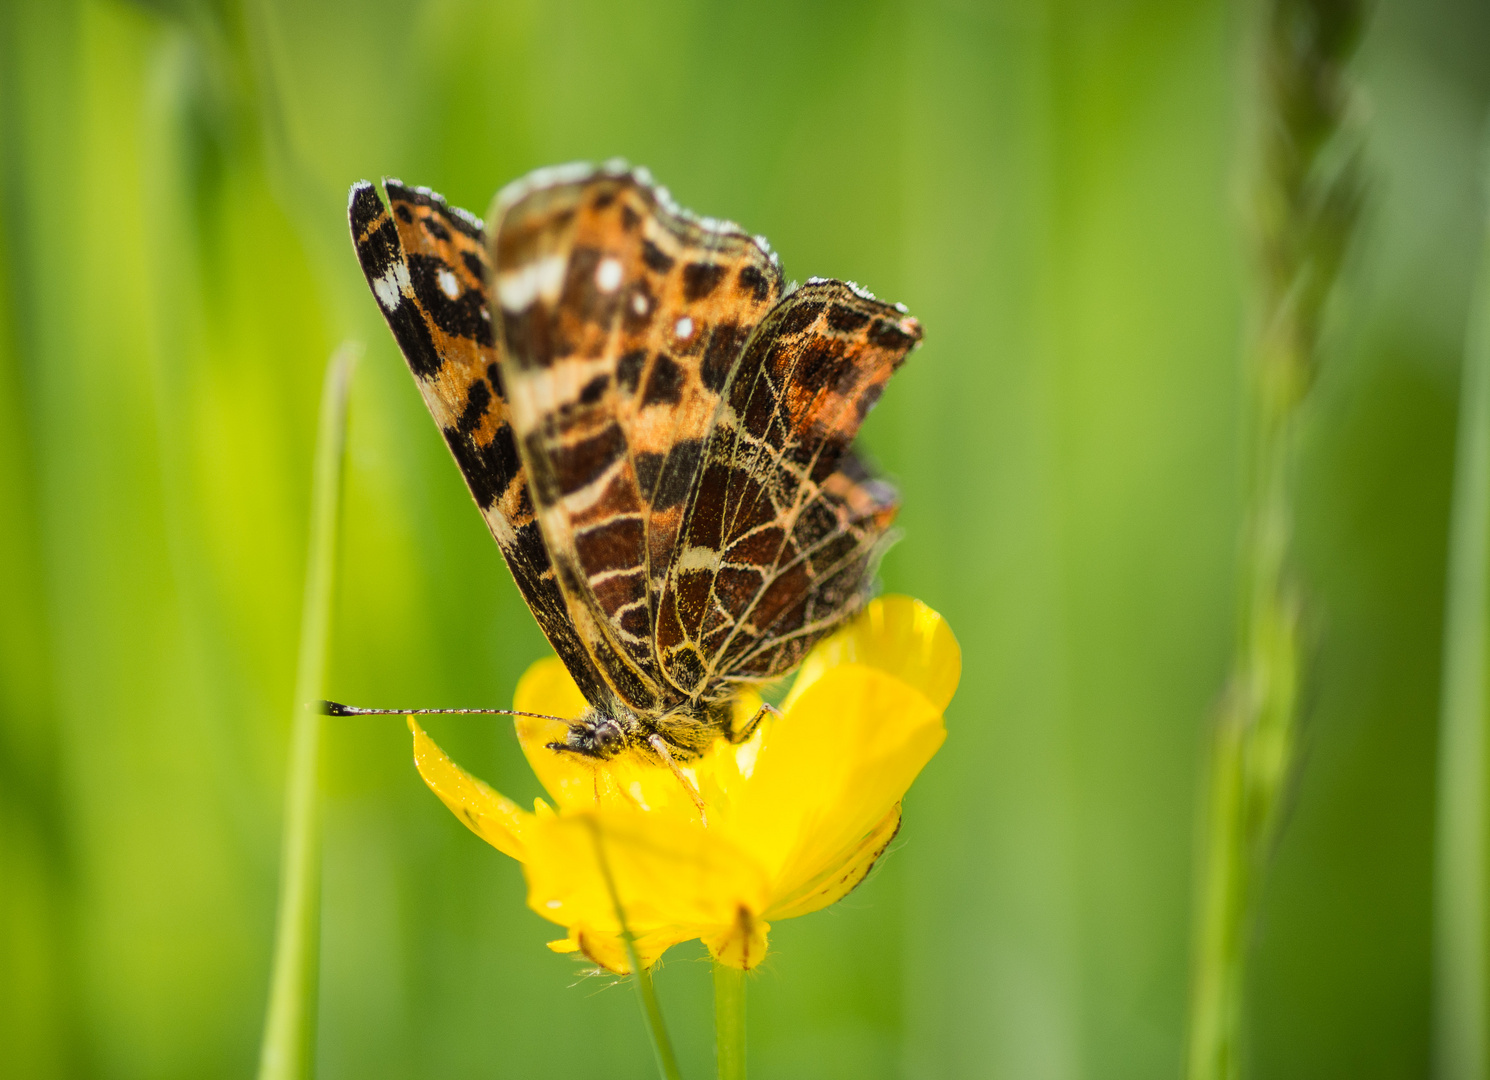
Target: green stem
{"type": "Point", "coordinates": [1459, 976]}
{"type": "Point", "coordinates": [288, 1049]}
{"type": "Point", "coordinates": [729, 1021]}
{"type": "Point", "coordinates": [646, 993]}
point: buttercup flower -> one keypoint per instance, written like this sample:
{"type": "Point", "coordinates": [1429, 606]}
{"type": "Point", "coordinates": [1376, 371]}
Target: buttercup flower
{"type": "Point", "coordinates": [792, 819]}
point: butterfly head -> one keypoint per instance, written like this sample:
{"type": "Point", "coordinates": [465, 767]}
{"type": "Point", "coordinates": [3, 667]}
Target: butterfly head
{"type": "Point", "coordinates": [593, 736]}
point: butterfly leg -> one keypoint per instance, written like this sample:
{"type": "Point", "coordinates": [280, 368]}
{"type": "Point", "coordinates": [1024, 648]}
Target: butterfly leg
{"type": "Point", "coordinates": [743, 735]}
{"type": "Point", "coordinates": [660, 747]}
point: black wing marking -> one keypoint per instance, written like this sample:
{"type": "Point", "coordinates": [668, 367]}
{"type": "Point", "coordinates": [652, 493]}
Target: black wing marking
{"type": "Point", "coordinates": [426, 265]}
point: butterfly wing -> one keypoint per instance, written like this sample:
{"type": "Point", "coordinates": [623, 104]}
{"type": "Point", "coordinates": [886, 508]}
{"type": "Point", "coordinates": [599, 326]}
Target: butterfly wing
{"type": "Point", "coordinates": [426, 263]}
{"type": "Point", "coordinates": [781, 537]}
{"type": "Point", "coordinates": [622, 318]}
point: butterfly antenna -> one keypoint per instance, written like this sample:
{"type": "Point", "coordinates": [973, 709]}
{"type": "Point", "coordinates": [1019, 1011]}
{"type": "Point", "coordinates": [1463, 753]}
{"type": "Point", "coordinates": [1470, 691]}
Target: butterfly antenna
{"type": "Point", "coordinates": [336, 708]}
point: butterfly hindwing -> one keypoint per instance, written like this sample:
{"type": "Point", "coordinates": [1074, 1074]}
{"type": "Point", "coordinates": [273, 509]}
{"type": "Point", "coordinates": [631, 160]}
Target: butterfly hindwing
{"type": "Point", "coordinates": [426, 264]}
{"type": "Point", "coordinates": [622, 320]}
{"type": "Point", "coordinates": [780, 538]}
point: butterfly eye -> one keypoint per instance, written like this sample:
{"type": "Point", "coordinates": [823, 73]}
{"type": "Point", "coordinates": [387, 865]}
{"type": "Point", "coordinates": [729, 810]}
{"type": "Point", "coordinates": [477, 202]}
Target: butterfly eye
{"type": "Point", "coordinates": [608, 737]}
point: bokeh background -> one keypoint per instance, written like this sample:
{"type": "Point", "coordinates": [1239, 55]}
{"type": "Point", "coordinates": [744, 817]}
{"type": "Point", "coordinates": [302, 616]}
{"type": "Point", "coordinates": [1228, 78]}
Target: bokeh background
{"type": "Point", "coordinates": [1053, 186]}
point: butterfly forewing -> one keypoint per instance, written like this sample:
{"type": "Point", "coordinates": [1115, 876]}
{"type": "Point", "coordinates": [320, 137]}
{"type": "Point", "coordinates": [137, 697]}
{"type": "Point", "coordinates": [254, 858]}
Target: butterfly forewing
{"type": "Point", "coordinates": [426, 264]}
{"type": "Point", "coordinates": [622, 321]}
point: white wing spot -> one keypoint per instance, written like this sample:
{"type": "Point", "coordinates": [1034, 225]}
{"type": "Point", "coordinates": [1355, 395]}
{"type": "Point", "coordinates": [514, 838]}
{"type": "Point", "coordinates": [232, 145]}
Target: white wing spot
{"type": "Point", "coordinates": [608, 275]}
{"type": "Point", "coordinates": [684, 329]}
{"type": "Point", "coordinates": [389, 288]}
{"type": "Point", "coordinates": [448, 285]}
{"type": "Point", "coordinates": [517, 289]}
{"type": "Point", "coordinates": [640, 303]}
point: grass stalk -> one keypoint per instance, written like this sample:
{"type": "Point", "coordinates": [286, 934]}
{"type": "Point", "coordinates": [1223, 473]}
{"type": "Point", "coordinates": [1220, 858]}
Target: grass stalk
{"type": "Point", "coordinates": [646, 993]}
{"type": "Point", "coordinates": [729, 1021]}
{"type": "Point", "coordinates": [1306, 198]}
{"type": "Point", "coordinates": [1459, 975]}
{"type": "Point", "coordinates": [288, 1049]}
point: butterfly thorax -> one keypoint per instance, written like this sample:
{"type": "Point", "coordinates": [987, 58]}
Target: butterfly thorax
{"type": "Point", "coordinates": [683, 733]}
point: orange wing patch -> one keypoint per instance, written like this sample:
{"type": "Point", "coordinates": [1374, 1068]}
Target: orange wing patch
{"type": "Point", "coordinates": [622, 319]}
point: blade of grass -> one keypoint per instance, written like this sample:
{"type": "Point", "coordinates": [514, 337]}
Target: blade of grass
{"type": "Point", "coordinates": [1459, 993]}
{"type": "Point", "coordinates": [646, 993]}
{"type": "Point", "coordinates": [729, 1021]}
{"type": "Point", "coordinates": [288, 1049]}
{"type": "Point", "coordinates": [1306, 190]}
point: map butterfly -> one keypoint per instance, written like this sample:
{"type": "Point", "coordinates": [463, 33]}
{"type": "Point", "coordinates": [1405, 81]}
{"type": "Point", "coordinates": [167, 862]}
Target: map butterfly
{"type": "Point", "coordinates": [656, 428]}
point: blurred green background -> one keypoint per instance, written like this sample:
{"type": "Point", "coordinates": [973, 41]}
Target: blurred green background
{"type": "Point", "coordinates": [1052, 187]}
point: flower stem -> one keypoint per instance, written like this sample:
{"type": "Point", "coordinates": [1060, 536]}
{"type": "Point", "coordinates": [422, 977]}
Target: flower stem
{"type": "Point", "coordinates": [646, 993]}
{"type": "Point", "coordinates": [1459, 975]}
{"type": "Point", "coordinates": [288, 1049]}
{"type": "Point", "coordinates": [1306, 198]}
{"type": "Point", "coordinates": [729, 1021]}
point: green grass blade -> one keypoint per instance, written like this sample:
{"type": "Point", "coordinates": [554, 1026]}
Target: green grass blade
{"type": "Point", "coordinates": [1459, 874]}
{"type": "Point", "coordinates": [662, 1047]}
{"type": "Point", "coordinates": [646, 993]}
{"type": "Point", "coordinates": [288, 1049]}
{"type": "Point", "coordinates": [1306, 194]}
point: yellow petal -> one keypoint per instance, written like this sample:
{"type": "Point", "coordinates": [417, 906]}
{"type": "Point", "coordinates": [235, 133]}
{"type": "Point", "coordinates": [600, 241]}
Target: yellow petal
{"type": "Point", "coordinates": [609, 951]}
{"type": "Point", "coordinates": [723, 769]}
{"type": "Point", "coordinates": [841, 875]}
{"type": "Point", "coordinates": [897, 635]}
{"type": "Point", "coordinates": [547, 687]}
{"type": "Point", "coordinates": [493, 817]}
{"type": "Point", "coordinates": [575, 782]}
{"type": "Point", "coordinates": [742, 944]}
{"type": "Point", "coordinates": [672, 877]}
{"type": "Point", "coordinates": [666, 872]}
{"type": "Point", "coordinates": [632, 783]}
{"type": "Point", "coordinates": [605, 949]}
{"type": "Point", "coordinates": [832, 769]}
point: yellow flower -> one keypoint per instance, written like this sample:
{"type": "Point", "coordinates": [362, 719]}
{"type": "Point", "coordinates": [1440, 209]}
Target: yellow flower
{"type": "Point", "coordinates": [793, 818]}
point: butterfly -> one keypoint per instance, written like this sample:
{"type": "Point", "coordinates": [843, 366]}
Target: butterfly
{"type": "Point", "coordinates": [654, 425]}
